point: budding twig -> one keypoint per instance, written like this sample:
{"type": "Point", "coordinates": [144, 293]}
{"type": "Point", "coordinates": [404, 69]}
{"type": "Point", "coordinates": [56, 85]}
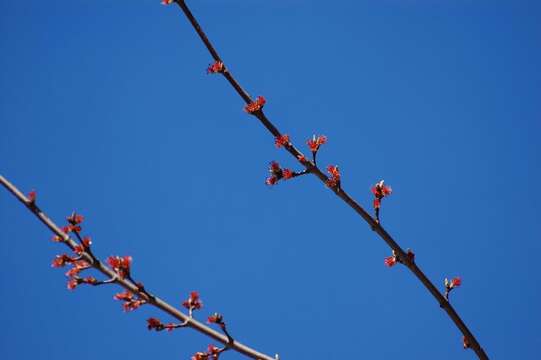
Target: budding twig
{"type": "Point", "coordinates": [337, 189]}
{"type": "Point", "coordinates": [128, 285]}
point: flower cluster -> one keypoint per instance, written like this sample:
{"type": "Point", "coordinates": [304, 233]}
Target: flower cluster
{"type": "Point", "coordinates": [315, 142]}
{"type": "Point", "coordinates": [281, 140]}
{"type": "Point", "coordinates": [217, 319]}
{"type": "Point", "coordinates": [83, 246]}
{"type": "Point", "coordinates": [277, 173]}
{"type": "Point", "coordinates": [193, 302]}
{"type": "Point", "coordinates": [78, 266]}
{"type": "Point", "coordinates": [334, 180]}
{"type": "Point", "coordinates": [62, 260]}
{"type": "Point", "coordinates": [256, 105]}
{"type": "Point", "coordinates": [216, 67]}
{"type": "Point", "coordinates": [121, 265]}
{"type": "Point", "coordinates": [392, 260]}
{"type": "Point", "coordinates": [380, 190]}
{"type": "Point", "coordinates": [130, 303]}
{"type": "Point", "coordinates": [212, 353]}
{"type": "Point", "coordinates": [156, 324]}
{"type": "Point", "coordinates": [75, 281]}
{"type": "Point", "coordinates": [450, 285]}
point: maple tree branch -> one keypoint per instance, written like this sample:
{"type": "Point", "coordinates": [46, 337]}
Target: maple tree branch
{"type": "Point", "coordinates": [130, 285]}
{"type": "Point", "coordinates": [338, 190]}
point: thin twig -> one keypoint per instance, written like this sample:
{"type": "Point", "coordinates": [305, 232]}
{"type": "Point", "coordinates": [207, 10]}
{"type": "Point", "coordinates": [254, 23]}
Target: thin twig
{"type": "Point", "coordinates": [338, 190]}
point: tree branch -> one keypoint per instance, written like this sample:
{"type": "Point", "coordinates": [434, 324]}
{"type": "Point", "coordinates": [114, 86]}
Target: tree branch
{"type": "Point", "coordinates": [339, 191]}
{"type": "Point", "coordinates": [130, 285]}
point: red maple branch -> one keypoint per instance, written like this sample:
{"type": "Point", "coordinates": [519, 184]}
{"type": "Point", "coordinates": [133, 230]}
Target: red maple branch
{"type": "Point", "coordinates": [255, 107]}
{"type": "Point", "coordinates": [135, 295]}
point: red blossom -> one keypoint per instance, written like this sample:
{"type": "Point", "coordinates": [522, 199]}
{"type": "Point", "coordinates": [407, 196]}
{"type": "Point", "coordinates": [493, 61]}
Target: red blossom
{"type": "Point", "coordinates": [315, 142]}
{"type": "Point", "coordinates": [380, 190]}
{"type": "Point", "coordinates": [334, 180]}
{"type": "Point", "coordinates": [129, 302]}
{"type": "Point", "coordinates": [455, 282]}
{"type": "Point", "coordinates": [213, 351]}
{"type": "Point", "coordinates": [288, 174]}
{"type": "Point", "coordinates": [89, 280]}
{"type": "Point", "coordinates": [301, 158]}
{"type": "Point", "coordinates": [153, 323]}
{"type": "Point", "coordinates": [120, 264]}
{"type": "Point", "coordinates": [167, 2]}
{"type": "Point", "coordinates": [61, 261]}
{"type": "Point", "coordinates": [77, 267]}
{"type": "Point", "coordinates": [32, 197]}
{"type": "Point", "coordinates": [72, 283]}
{"type": "Point", "coordinates": [390, 261]}
{"type": "Point", "coordinates": [271, 180]}
{"type": "Point", "coordinates": [193, 301]}
{"type": "Point", "coordinates": [256, 105]}
{"type": "Point", "coordinates": [216, 67]}
{"type": "Point", "coordinates": [200, 356]}
{"type": "Point", "coordinates": [132, 305]}
{"type": "Point", "coordinates": [80, 248]}
{"type": "Point", "coordinates": [281, 140]}
{"type": "Point", "coordinates": [276, 173]}
{"type": "Point", "coordinates": [215, 318]}
{"type": "Point", "coordinates": [124, 296]}
{"type": "Point", "coordinates": [75, 219]}
{"type": "Point", "coordinates": [377, 203]}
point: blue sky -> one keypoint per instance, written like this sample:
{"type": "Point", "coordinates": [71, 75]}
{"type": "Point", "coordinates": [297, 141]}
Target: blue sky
{"type": "Point", "coordinates": [106, 109]}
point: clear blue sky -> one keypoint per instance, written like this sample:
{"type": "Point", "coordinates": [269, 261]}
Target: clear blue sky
{"type": "Point", "coordinates": [106, 109]}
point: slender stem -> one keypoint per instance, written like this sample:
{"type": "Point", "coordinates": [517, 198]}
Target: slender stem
{"type": "Point", "coordinates": [129, 285]}
{"type": "Point", "coordinates": [338, 190]}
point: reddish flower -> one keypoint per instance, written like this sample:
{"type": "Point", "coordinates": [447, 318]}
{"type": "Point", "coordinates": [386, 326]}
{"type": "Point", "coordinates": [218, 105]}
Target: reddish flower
{"type": "Point", "coordinates": [455, 282]}
{"type": "Point", "coordinates": [333, 170]}
{"type": "Point", "coordinates": [133, 304]}
{"type": "Point", "coordinates": [281, 140]}
{"type": "Point", "coordinates": [61, 261]}
{"type": "Point", "coordinates": [215, 318]}
{"type": "Point", "coordinates": [89, 280]}
{"type": "Point", "coordinates": [465, 342]}
{"type": "Point", "coordinates": [390, 261]}
{"type": "Point", "coordinates": [288, 174]}
{"type": "Point", "coordinates": [271, 180]}
{"type": "Point", "coordinates": [377, 203]}
{"type": "Point", "coordinates": [167, 2]}
{"type": "Point", "coordinates": [334, 180]}
{"type": "Point", "coordinates": [125, 296]}
{"type": "Point", "coordinates": [301, 158]}
{"type": "Point", "coordinates": [120, 264]}
{"type": "Point", "coordinates": [200, 356]}
{"type": "Point", "coordinates": [153, 323]}
{"type": "Point", "coordinates": [256, 105]}
{"type": "Point", "coordinates": [380, 190]}
{"type": "Point", "coordinates": [276, 173]}
{"type": "Point", "coordinates": [32, 197]}
{"type": "Point", "coordinates": [193, 301]}
{"type": "Point", "coordinates": [216, 67]}
{"type": "Point", "coordinates": [170, 326]}
{"type": "Point", "coordinates": [213, 351]}
{"type": "Point", "coordinates": [75, 219]}
{"type": "Point", "coordinates": [77, 267]}
{"type": "Point", "coordinates": [72, 283]}
{"type": "Point", "coordinates": [79, 249]}
{"type": "Point", "coordinates": [315, 142]}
